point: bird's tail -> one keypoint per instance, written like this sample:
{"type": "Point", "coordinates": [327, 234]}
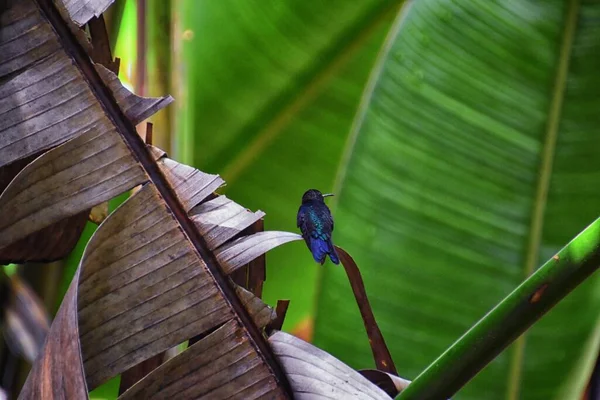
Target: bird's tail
{"type": "Point", "coordinates": [320, 248]}
{"type": "Point", "coordinates": [333, 256]}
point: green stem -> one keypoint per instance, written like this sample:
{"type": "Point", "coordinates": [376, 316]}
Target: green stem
{"type": "Point", "coordinates": [509, 319]}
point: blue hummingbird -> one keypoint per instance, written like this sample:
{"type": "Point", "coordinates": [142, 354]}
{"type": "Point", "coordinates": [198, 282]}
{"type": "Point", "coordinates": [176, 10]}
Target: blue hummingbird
{"type": "Point", "coordinates": [315, 221]}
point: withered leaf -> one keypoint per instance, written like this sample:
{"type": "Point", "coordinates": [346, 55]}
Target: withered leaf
{"type": "Point", "coordinates": [315, 374]}
{"type": "Point", "coordinates": [221, 219]}
{"type": "Point", "coordinates": [81, 11]}
{"type": "Point", "coordinates": [84, 172]}
{"type": "Point", "coordinates": [261, 313]}
{"type": "Point", "coordinates": [223, 365]}
{"type": "Point", "coordinates": [247, 248]}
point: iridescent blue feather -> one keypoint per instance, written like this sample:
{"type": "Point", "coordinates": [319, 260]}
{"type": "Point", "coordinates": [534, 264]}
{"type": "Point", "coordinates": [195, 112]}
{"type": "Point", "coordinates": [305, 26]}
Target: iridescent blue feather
{"type": "Point", "coordinates": [315, 221]}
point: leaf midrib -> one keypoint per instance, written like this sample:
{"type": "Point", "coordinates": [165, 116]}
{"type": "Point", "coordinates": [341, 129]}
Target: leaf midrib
{"type": "Point", "coordinates": [543, 184]}
{"type": "Point", "coordinates": [365, 98]}
{"type": "Point", "coordinates": [138, 148]}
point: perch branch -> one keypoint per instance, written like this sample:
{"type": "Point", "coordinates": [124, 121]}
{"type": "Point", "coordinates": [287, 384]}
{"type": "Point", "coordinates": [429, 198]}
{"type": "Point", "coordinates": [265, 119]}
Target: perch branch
{"type": "Point", "coordinates": [381, 354]}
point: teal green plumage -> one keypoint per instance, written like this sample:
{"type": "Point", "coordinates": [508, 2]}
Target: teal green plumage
{"type": "Point", "coordinates": [316, 224]}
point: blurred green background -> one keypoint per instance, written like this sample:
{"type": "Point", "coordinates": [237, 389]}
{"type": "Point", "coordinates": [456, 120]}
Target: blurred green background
{"type": "Point", "coordinates": [460, 138]}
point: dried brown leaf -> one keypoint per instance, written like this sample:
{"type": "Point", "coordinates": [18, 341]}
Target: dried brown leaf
{"type": "Point", "coordinates": [261, 313]}
{"type": "Point", "coordinates": [44, 105]}
{"type": "Point", "coordinates": [155, 311]}
{"type": "Point", "coordinates": [315, 374]}
{"type": "Point", "coordinates": [191, 185]}
{"type": "Point", "coordinates": [142, 289]}
{"type": "Point", "coordinates": [48, 244]}
{"type": "Point", "coordinates": [136, 108]}
{"type": "Point", "coordinates": [223, 365]}
{"type": "Point", "coordinates": [243, 250]}
{"type": "Point", "coordinates": [100, 52]}
{"type": "Point", "coordinates": [81, 11]}
{"type": "Point", "coordinates": [25, 38]}
{"type": "Point", "coordinates": [221, 219]}
{"type": "Point", "coordinates": [67, 180]}
{"type": "Point", "coordinates": [51, 243]}
{"type": "Point", "coordinates": [58, 371]}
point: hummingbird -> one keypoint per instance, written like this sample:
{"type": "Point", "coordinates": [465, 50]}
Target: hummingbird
{"type": "Point", "coordinates": [315, 221]}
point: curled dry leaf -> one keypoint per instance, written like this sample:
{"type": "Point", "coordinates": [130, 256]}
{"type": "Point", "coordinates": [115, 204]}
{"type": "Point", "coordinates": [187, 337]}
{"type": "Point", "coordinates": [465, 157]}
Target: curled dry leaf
{"type": "Point", "coordinates": [315, 374]}
{"type": "Point", "coordinates": [191, 185]}
{"type": "Point", "coordinates": [100, 52]}
{"type": "Point", "coordinates": [81, 11]}
{"type": "Point", "coordinates": [48, 244]}
{"type": "Point", "coordinates": [391, 384]}
{"type": "Point", "coordinates": [246, 249]}
{"type": "Point", "coordinates": [140, 267]}
{"type": "Point", "coordinates": [261, 313]}
{"type": "Point", "coordinates": [253, 275]}
{"type": "Point", "coordinates": [60, 357]}
{"type": "Point", "coordinates": [221, 219]}
{"type": "Point", "coordinates": [97, 166]}
{"type": "Point", "coordinates": [136, 108]}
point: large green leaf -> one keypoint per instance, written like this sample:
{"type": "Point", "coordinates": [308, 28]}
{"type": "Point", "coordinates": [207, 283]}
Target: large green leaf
{"type": "Point", "coordinates": [474, 158]}
{"type": "Point", "coordinates": [267, 95]}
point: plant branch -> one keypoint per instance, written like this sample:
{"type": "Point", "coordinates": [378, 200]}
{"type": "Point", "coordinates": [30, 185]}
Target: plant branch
{"type": "Point", "coordinates": [381, 354]}
{"type": "Point", "coordinates": [514, 315]}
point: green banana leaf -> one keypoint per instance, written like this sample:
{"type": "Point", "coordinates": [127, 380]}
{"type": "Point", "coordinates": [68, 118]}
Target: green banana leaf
{"type": "Point", "coordinates": [266, 94]}
{"type": "Point", "coordinates": [473, 160]}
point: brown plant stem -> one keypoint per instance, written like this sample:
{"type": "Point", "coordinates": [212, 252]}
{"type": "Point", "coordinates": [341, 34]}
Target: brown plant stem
{"type": "Point", "coordinates": [281, 310]}
{"type": "Point", "coordinates": [381, 354]}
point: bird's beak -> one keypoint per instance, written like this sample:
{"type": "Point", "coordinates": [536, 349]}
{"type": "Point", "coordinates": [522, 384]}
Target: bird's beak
{"type": "Point", "coordinates": [328, 194]}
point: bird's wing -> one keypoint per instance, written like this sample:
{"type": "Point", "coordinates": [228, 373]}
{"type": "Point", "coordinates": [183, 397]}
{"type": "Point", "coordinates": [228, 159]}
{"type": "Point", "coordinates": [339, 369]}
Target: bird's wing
{"type": "Point", "coordinates": [330, 219]}
{"type": "Point", "coordinates": [300, 218]}
{"type": "Point", "coordinates": [303, 222]}
{"type": "Point", "coordinates": [321, 224]}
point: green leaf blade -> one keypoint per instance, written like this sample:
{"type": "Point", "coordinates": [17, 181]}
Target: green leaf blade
{"type": "Point", "coordinates": [290, 132]}
{"type": "Point", "coordinates": [437, 201]}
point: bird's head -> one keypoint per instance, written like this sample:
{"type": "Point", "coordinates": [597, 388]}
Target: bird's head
{"type": "Point", "coordinates": [314, 195]}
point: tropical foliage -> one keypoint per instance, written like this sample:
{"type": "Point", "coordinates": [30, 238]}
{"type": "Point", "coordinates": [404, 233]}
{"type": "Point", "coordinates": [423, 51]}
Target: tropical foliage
{"type": "Point", "coordinates": [459, 138]}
